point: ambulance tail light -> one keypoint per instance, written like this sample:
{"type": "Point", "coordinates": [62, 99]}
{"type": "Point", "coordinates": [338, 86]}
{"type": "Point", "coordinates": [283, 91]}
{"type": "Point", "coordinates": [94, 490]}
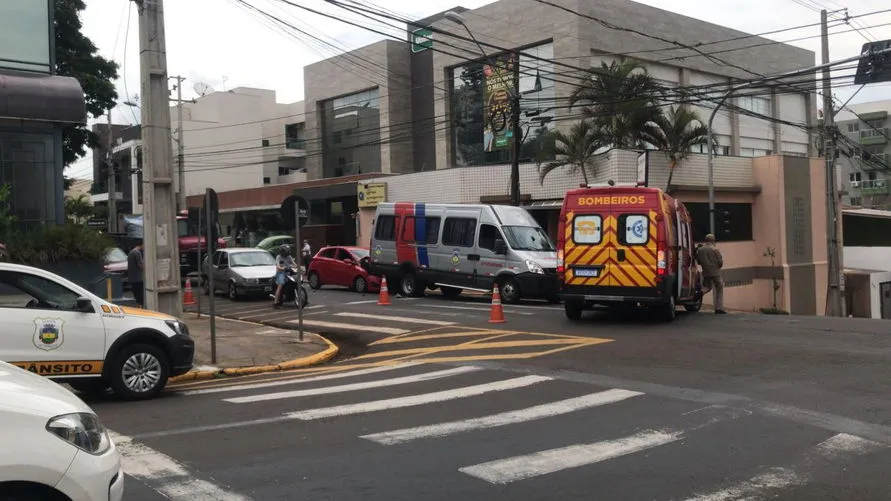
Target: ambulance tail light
{"type": "Point", "coordinates": [560, 267]}
{"type": "Point", "coordinates": [660, 260]}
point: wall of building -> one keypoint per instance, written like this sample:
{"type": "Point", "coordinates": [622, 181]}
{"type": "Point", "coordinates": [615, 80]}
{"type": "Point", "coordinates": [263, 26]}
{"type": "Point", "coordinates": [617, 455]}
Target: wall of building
{"type": "Point", "coordinates": [340, 76]}
{"type": "Point", "coordinates": [868, 258]}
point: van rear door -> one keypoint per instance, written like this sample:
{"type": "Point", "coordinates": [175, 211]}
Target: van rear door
{"type": "Point", "coordinates": [586, 253]}
{"type": "Point", "coordinates": [634, 253]}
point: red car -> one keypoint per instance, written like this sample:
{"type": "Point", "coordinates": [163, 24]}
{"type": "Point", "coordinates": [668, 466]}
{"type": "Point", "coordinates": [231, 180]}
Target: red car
{"type": "Point", "coordinates": [344, 267]}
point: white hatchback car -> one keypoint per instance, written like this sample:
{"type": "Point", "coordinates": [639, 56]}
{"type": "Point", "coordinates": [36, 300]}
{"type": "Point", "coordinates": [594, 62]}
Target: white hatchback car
{"type": "Point", "coordinates": [54, 447]}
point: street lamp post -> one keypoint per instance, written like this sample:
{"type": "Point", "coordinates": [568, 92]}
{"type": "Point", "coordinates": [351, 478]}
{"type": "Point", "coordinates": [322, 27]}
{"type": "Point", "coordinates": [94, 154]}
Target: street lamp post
{"type": "Point", "coordinates": [513, 90]}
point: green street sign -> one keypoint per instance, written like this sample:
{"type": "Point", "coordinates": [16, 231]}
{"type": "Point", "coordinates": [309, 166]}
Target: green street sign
{"type": "Point", "coordinates": [421, 40]}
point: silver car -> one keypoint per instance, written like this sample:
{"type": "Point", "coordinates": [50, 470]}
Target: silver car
{"type": "Point", "coordinates": [240, 272]}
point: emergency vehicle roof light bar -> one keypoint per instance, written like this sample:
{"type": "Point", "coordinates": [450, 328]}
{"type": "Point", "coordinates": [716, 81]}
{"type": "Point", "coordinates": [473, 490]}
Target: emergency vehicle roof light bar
{"type": "Point", "coordinates": [612, 184]}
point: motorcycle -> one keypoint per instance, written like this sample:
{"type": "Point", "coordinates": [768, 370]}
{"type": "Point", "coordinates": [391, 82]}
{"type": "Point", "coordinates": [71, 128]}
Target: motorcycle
{"type": "Point", "coordinates": [293, 283]}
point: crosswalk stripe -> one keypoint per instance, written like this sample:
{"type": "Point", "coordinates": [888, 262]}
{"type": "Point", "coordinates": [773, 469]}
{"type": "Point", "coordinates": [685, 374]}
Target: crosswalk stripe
{"type": "Point", "coordinates": [482, 309]}
{"type": "Point", "coordinates": [391, 318]}
{"type": "Point", "coordinates": [415, 400]}
{"type": "Point", "coordinates": [166, 476]}
{"type": "Point", "coordinates": [837, 447]}
{"type": "Point", "coordinates": [505, 418]}
{"type": "Point", "coordinates": [311, 379]}
{"type": "Point", "coordinates": [380, 383]}
{"type": "Point", "coordinates": [504, 471]}
{"type": "Point", "coordinates": [356, 327]}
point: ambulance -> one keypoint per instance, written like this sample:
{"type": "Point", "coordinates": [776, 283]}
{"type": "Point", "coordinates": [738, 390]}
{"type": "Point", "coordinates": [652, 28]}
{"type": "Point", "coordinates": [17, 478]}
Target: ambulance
{"type": "Point", "coordinates": [55, 328]}
{"type": "Point", "coordinates": [626, 246]}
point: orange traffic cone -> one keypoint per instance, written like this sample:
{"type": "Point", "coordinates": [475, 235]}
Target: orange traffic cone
{"type": "Point", "coordinates": [497, 315]}
{"type": "Point", "coordinates": [384, 298]}
{"type": "Point", "coordinates": [188, 298]}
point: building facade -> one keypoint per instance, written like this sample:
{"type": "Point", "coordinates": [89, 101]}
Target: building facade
{"type": "Point", "coordinates": [35, 106]}
{"type": "Point", "coordinates": [865, 171]}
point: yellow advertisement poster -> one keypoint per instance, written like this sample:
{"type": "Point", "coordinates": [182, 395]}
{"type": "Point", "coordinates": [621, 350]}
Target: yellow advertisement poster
{"type": "Point", "coordinates": [499, 83]}
{"type": "Point", "coordinates": [371, 194]}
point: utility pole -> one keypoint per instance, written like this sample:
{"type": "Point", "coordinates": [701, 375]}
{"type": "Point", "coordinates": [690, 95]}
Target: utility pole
{"type": "Point", "coordinates": [112, 188]}
{"type": "Point", "coordinates": [516, 132]}
{"type": "Point", "coordinates": [180, 159]}
{"type": "Point", "coordinates": [162, 274]}
{"type": "Point", "coordinates": [835, 304]}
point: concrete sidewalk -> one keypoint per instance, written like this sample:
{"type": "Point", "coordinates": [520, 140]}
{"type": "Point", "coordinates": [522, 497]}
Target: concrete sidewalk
{"type": "Point", "coordinates": [247, 348]}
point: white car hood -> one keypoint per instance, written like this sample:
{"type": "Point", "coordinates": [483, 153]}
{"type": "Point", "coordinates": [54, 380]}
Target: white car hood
{"type": "Point", "coordinates": [23, 390]}
{"type": "Point", "coordinates": [254, 271]}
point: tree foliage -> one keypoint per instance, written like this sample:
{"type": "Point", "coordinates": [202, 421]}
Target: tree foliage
{"type": "Point", "coordinates": [574, 151]}
{"type": "Point", "coordinates": [78, 209]}
{"type": "Point", "coordinates": [675, 132]}
{"type": "Point", "coordinates": [77, 56]}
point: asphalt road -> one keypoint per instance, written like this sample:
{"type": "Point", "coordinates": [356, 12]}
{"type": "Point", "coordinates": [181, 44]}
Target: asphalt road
{"type": "Point", "coordinates": [708, 407]}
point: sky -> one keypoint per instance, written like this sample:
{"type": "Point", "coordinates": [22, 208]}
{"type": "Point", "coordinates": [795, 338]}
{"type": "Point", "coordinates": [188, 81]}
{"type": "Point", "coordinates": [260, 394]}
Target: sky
{"type": "Point", "coordinates": [222, 44]}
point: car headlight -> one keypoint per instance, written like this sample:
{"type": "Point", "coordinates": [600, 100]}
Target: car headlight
{"type": "Point", "coordinates": [178, 327]}
{"type": "Point", "coordinates": [81, 430]}
{"type": "Point", "coordinates": [534, 267]}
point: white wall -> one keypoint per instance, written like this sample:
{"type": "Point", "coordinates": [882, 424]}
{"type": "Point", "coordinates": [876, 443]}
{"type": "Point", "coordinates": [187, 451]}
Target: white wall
{"type": "Point", "coordinates": [722, 125]}
{"type": "Point", "coordinates": [868, 258]}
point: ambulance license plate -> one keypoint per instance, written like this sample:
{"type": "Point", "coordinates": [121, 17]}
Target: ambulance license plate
{"type": "Point", "coordinates": [586, 272]}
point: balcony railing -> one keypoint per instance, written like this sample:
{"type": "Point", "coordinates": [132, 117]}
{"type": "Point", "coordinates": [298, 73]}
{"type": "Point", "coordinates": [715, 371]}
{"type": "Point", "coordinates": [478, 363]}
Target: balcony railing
{"type": "Point", "coordinates": [97, 188]}
{"type": "Point", "coordinates": [874, 187]}
{"type": "Point", "coordinates": [871, 136]}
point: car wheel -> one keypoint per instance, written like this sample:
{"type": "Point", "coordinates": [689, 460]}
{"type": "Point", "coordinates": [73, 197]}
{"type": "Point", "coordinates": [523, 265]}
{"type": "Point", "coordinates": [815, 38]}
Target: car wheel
{"type": "Point", "coordinates": [233, 291]}
{"type": "Point", "coordinates": [206, 287]}
{"type": "Point", "coordinates": [139, 372]}
{"type": "Point", "coordinates": [360, 285]}
{"type": "Point", "coordinates": [573, 309]}
{"type": "Point", "coordinates": [90, 386]}
{"type": "Point", "coordinates": [450, 291]}
{"type": "Point", "coordinates": [315, 281]}
{"type": "Point", "coordinates": [510, 291]}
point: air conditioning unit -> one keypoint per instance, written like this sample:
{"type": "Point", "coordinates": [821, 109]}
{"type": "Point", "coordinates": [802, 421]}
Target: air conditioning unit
{"type": "Point", "coordinates": [855, 184]}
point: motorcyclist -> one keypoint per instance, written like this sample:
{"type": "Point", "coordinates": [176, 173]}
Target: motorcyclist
{"type": "Point", "coordinates": [283, 262]}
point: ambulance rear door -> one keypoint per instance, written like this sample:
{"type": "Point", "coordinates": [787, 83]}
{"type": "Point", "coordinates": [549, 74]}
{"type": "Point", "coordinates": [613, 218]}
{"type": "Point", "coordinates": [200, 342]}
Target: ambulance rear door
{"type": "Point", "coordinates": [634, 252]}
{"type": "Point", "coordinates": [589, 239]}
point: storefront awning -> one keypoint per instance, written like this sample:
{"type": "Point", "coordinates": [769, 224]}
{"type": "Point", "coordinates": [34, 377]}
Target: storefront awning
{"type": "Point", "coordinates": [45, 98]}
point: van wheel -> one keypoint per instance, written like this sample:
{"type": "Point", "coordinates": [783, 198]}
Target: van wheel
{"type": "Point", "coordinates": [510, 291]}
{"type": "Point", "coordinates": [139, 372]}
{"type": "Point", "coordinates": [409, 285]}
{"type": "Point", "coordinates": [695, 306]}
{"type": "Point", "coordinates": [669, 310]}
{"type": "Point", "coordinates": [450, 291]}
{"type": "Point", "coordinates": [573, 309]}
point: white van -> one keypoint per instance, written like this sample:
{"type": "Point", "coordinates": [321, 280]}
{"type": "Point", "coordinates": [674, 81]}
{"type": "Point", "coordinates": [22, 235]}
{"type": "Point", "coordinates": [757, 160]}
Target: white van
{"type": "Point", "coordinates": [453, 247]}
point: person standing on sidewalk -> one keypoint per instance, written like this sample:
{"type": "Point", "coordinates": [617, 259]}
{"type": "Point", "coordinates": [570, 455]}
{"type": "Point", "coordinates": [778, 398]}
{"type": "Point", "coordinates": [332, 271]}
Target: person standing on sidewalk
{"type": "Point", "coordinates": [136, 273]}
{"type": "Point", "coordinates": [711, 261]}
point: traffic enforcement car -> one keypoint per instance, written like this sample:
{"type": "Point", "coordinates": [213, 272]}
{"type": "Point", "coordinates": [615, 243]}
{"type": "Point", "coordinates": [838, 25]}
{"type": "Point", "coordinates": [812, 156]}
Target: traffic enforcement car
{"type": "Point", "coordinates": [55, 328]}
{"type": "Point", "coordinates": [54, 446]}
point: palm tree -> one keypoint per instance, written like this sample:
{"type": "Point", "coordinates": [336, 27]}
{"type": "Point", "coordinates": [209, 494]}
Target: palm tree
{"type": "Point", "coordinates": [573, 151]}
{"type": "Point", "coordinates": [78, 208]}
{"type": "Point", "coordinates": [675, 133]}
{"type": "Point", "coordinates": [620, 99]}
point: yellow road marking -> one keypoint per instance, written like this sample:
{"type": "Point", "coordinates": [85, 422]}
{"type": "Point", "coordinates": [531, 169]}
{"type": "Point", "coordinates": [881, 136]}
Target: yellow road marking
{"type": "Point", "coordinates": [401, 339]}
{"type": "Point", "coordinates": [479, 346]}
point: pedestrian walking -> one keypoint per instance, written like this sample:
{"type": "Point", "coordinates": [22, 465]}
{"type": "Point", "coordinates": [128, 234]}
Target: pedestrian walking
{"type": "Point", "coordinates": [306, 254]}
{"type": "Point", "coordinates": [136, 274]}
{"type": "Point", "coordinates": [710, 259]}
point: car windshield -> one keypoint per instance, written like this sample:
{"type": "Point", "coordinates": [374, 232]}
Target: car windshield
{"type": "Point", "coordinates": [359, 253]}
{"type": "Point", "coordinates": [251, 259]}
{"type": "Point", "coordinates": [115, 255]}
{"type": "Point", "coordinates": [528, 238]}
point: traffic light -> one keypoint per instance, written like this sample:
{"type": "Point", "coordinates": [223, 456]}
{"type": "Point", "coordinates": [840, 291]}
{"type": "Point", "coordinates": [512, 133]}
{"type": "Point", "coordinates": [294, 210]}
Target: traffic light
{"type": "Point", "coordinates": [725, 222]}
{"type": "Point", "coordinates": [875, 63]}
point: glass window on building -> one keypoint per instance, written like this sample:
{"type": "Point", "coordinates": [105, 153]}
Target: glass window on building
{"type": "Point", "coordinates": [295, 136]}
{"type": "Point", "coordinates": [25, 35]}
{"type": "Point", "coordinates": [351, 134]}
{"type": "Point", "coordinates": [480, 130]}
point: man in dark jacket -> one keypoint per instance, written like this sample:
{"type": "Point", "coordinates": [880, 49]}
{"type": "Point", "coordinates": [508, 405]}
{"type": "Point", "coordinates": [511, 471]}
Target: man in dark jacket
{"type": "Point", "coordinates": [710, 259]}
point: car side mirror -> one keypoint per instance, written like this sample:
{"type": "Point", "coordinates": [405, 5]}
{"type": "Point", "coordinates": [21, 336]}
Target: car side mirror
{"type": "Point", "coordinates": [349, 261]}
{"type": "Point", "coordinates": [84, 305]}
{"type": "Point", "coordinates": [500, 247]}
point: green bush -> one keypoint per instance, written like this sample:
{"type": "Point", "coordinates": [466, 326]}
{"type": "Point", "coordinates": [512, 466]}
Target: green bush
{"type": "Point", "coordinates": [55, 244]}
{"type": "Point", "coordinates": [773, 311]}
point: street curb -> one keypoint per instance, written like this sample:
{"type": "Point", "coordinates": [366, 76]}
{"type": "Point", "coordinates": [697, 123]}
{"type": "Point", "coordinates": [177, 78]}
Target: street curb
{"type": "Point", "coordinates": [297, 363]}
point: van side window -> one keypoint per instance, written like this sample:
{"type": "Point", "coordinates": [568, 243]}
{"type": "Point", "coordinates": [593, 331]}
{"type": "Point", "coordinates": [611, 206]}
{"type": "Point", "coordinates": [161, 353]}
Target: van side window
{"type": "Point", "coordinates": [430, 226]}
{"type": "Point", "coordinates": [385, 228]}
{"type": "Point", "coordinates": [459, 231]}
{"type": "Point", "coordinates": [587, 229]}
{"type": "Point", "coordinates": [488, 235]}
{"type": "Point", "coordinates": [634, 229]}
